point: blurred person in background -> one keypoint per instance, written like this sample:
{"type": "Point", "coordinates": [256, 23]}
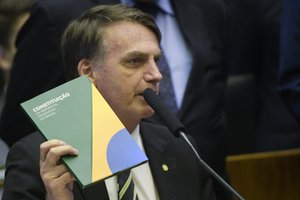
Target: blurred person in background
{"type": "Point", "coordinates": [254, 32]}
{"type": "Point", "coordinates": [13, 14]}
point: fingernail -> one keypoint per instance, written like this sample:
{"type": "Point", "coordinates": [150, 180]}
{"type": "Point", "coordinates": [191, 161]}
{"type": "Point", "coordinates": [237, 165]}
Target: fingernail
{"type": "Point", "coordinates": [76, 151]}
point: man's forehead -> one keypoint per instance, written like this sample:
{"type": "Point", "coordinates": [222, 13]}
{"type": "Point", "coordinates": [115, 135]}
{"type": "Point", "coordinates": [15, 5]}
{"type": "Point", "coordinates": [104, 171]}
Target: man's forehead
{"type": "Point", "coordinates": [126, 27]}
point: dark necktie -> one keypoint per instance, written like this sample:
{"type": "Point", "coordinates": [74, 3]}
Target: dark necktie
{"type": "Point", "coordinates": [166, 88]}
{"type": "Point", "coordinates": [126, 188]}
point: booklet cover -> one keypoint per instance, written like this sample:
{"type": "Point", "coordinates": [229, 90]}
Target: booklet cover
{"type": "Point", "coordinates": [76, 113]}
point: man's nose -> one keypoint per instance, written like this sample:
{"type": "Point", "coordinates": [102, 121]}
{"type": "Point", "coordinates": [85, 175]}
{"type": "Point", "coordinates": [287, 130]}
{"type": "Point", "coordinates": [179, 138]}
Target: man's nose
{"type": "Point", "coordinates": [153, 73]}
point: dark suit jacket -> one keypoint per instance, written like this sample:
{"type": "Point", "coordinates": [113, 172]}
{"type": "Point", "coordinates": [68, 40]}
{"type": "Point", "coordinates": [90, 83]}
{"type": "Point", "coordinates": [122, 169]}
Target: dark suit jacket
{"type": "Point", "coordinates": [185, 179]}
{"type": "Point", "coordinates": [38, 67]}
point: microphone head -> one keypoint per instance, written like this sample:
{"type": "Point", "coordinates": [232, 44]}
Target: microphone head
{"type": "Point", "coordinates": [165, 114]}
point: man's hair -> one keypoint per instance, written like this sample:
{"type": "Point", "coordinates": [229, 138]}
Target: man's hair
{"type": "Point", "coordinates": [85, 36]}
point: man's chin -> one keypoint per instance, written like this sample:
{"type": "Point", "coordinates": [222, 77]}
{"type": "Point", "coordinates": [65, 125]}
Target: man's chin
{"type": "Point", "coordinates": [148, 112]}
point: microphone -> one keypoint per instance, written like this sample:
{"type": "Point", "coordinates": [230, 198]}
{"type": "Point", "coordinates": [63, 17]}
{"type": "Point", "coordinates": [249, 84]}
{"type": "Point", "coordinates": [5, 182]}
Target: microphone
{"type": "Point", "coordinates": [163, 112]}
{"type": "Point", "coordinates": [177, 128]}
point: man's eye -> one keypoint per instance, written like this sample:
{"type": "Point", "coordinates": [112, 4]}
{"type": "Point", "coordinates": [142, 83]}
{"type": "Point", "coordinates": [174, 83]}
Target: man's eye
{"type": "Point", "coordinates": [135, 61]}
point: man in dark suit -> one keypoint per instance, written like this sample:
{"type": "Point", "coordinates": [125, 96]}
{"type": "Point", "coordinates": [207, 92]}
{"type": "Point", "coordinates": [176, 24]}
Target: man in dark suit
{"type": "Point", "coordinates": [178, 182]}
{"type": "Point", "coordinates": [254, 49]}
{"type": "Point", "coordinates": [38, 67]}
{"type": "Point", "coordinates": [117, 48]}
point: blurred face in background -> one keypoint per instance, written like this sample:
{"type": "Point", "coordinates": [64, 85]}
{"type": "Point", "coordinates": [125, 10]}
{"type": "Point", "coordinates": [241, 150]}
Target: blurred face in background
{"type": "Point", "coordinates": [11, 26]}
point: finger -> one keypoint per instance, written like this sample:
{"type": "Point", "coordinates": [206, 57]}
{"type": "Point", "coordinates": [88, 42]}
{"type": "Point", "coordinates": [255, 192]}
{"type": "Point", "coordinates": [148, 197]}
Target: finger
{"type": "Point", "coordinates": [55, 172]}
{"type": "Point", "coordinates": [50, 174]}
{"type": "Point", "coordinates": [60, 170]}
{"type": "Point", "coordinates": [46, 146]}
{"type": "Point", "coordinates": [70, 185]}
{"type": "Point", "coordinates": [66, 178]}
{"type": "Point", "coordinates": [60, 186]}
{"type": "Point", "coordinates": [62, 181]}
{"type": "Point", "coordinates": [55, 153]}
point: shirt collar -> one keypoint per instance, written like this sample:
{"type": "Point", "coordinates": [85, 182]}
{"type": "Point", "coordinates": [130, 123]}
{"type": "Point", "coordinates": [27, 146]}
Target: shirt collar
{"type": "Point", "coordinates": [136, 132]}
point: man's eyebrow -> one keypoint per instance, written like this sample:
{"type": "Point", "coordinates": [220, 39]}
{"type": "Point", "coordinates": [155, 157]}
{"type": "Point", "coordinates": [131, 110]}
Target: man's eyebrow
{"type": "Point", "coordinates": [138, 53]}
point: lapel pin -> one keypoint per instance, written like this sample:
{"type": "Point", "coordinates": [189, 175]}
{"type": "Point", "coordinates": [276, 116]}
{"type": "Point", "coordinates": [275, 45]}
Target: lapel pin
{"type": "Point", "coordinates": [165, 167]}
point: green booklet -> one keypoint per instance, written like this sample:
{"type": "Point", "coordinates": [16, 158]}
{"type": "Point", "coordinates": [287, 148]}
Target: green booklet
{"type": "Point", "coordinates": [76, 113]}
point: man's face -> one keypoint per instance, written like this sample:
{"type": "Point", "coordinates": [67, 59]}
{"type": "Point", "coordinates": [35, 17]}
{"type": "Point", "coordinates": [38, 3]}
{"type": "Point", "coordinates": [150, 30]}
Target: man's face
{"type": "Point", "coordinates": [129, 67]}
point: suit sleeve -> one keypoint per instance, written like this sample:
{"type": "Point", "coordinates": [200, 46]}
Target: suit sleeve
{"type": "Point", "coordinates": [289, 76]}
{"type": "Point", "coordinates": [22, 178]}
{"type": "Point", "coordinates": [37, 67]}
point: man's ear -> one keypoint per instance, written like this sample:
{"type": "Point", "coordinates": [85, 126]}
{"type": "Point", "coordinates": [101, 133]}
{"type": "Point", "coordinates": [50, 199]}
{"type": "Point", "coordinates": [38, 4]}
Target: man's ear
{"type": "Point", "coordinates": [84, 68]}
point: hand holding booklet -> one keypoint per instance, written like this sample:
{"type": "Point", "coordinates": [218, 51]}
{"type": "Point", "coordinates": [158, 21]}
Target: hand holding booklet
{"type": "Point", "coordinates": [76, 113]}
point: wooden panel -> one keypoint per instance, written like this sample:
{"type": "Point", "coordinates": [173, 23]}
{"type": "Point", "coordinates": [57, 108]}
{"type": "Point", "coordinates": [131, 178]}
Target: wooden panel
{"type": "Point", "coordinates": [267, 175]}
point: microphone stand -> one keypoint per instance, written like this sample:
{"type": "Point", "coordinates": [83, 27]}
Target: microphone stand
{"type": "Point", "coordinates": [208, 168]}
{"type": "Point", "coordinates": [177, 128]}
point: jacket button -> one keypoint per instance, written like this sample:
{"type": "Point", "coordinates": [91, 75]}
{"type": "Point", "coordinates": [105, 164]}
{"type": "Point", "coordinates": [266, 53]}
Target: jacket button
{"type": "Point", "coordinates": [165, 167]}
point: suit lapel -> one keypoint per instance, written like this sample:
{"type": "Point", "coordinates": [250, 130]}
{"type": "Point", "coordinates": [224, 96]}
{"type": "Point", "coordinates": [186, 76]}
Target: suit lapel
{"type": "Point", "coordinates": [204, 33]}
{"type": "Point", "coordinates": [195, 34]}
{"type": "Point", "coordinates": [162, 162]}
{"type": "Point", "coordinates": [191, 26]}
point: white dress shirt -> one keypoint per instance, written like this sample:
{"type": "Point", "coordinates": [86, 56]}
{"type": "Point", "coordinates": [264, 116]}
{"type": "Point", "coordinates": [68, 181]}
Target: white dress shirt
{"type": "Point", "coordinates": [142, 177]}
